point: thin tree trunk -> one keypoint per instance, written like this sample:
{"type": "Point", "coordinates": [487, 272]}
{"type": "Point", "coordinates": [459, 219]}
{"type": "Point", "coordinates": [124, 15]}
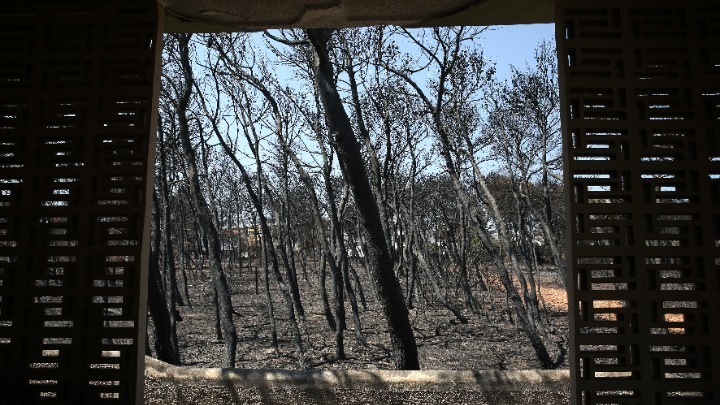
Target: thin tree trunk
{"type": "Point", "coordinates": [267, 239]}
{"type": "Point", "coordinates": [182, 257]}
{"type": "Point", "coordinates": [167, 220]}
{"type": "Point", "coordinates": [204, 215]}
{"type": "Point", "coordinates": [433, 282]}
{"type": "Point", "coordinates": [328, 256]}
{"type": "Point", "coordinates": [353, 302]}
{"type": "Point", "coordinates": [218, 327]}
{"type": "Point", "coordinates": [323, 291]}
{"type": "Point", "coordinates": [268, 299]}
{"type": "Point", "coordinates": [358, 286]}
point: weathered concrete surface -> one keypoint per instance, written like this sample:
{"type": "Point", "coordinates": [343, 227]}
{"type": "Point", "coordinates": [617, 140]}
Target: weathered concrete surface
{"type": "Point", "coordinates": [166, 384]}
{"type": "Point", "coordinates": [233, 15]}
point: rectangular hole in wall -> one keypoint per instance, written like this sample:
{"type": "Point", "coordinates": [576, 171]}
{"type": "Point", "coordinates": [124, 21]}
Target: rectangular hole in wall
{"type": "Point", "coordinates": [687, 394]}
{"type": "Point", "coordinates": [43, 382]}
{"type": "Point", "coordinates": [599, 330]}
{"type": "Point", "coordinates": [605, 317]}
{"type": "Point", "coordinates": [684, 376]}
{"type": "Point", "coordinates": [608, 286]}
{"type": "Point", "coordinates": [679, 304]}
{"type": "Point", "coordinates": [104, 366]}
{"type": "Point", "coordinates": [606, 361]}
{"type": "Point", "coordinates": [44, 365]}
{"type": "Point", "coordinates": [598, 348]}
{"type": "Point", "coordinates": [104, 383]}
{"type": "Point", "coordinates": [109, 395]}
{"type": "Point", "coordinates": [613, 374]}
{"type": "Point", "coordinates": [50, 353]}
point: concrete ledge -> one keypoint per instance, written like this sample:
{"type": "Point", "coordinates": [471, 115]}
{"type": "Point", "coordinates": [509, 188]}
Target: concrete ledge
{"type": "Point", "coordinates": [435, 380]}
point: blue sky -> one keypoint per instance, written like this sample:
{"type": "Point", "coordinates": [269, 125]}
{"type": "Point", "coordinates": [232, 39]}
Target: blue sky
{"type": "Point", "coordinates": [504, 45]}
{"type": "Point", "coordinates": [514, 44]}
{"type": "Point", "coordinates": [507, 45]}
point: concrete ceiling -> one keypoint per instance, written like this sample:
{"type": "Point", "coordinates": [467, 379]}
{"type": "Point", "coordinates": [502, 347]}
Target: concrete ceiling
{"type": "Point", "coordinates": [242, 15]}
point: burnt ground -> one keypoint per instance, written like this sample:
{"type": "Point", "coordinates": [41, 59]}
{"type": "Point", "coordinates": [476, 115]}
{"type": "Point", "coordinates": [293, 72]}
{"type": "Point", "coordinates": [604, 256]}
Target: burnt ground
{"type": "Point", "coordinates": [488, 341]}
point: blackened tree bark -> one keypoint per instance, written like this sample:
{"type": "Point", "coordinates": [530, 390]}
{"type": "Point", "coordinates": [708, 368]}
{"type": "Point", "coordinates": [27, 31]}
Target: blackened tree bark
{"type": "Point", "coordinates": [381, 264]}
{"type": "Point", "coordinates": [448, 60]}
{"type": "Point", "coordinates": [267, 236]}
{"type": "Point", "coordinates": [166, 344]}
{"type": "Point", "coordinates": [283, 238]}
{"type": "Point", "coordinates": [377, 179]}
{"type": "Point", "coordinates": [204, 216]}
{"type": "Point", "coordinates": [182, 253]}
{"type": "Point", "coordinates": [173, 291]}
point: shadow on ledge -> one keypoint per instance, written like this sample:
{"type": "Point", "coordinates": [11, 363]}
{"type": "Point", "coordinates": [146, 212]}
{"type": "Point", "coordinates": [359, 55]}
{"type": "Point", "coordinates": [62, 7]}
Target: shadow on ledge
{"type": "Point", "coordinates": [167, 384]}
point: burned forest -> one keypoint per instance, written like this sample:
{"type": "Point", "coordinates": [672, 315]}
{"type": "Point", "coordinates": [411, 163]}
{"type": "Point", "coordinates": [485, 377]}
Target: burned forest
{"type": "Point", "coordinates": [356, 198]}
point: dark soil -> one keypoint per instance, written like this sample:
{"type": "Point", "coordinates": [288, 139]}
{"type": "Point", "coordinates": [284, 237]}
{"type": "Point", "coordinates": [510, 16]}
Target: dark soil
{"type": "Point", "coordinates": [160, 393]}
{"type": "Point", "coordinates": [488, 341]}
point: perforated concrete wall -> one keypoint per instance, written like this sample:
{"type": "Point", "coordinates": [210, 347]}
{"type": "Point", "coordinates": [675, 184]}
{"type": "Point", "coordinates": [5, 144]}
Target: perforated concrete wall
{"type": "Point", "coordinates": [76, 114]}
{"type": "Point", "coordinates": [641, 114]}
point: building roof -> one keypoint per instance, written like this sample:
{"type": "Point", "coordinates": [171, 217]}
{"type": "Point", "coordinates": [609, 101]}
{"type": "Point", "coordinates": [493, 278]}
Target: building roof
{"type": "Point", "coordinates": [244, 15]}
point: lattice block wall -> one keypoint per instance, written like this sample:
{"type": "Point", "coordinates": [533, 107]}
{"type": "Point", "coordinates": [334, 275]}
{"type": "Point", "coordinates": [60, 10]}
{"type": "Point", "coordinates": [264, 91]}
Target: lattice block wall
{"type": "Point", "coordinates": [641, 88]}
{"type": "Point", "coordinates": [76, 113]}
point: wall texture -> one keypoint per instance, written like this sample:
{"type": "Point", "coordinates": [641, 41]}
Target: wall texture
{"type": "Point", "coordinates": [640, 83]}
{"type": "Point", "coordinates": [76, 116]}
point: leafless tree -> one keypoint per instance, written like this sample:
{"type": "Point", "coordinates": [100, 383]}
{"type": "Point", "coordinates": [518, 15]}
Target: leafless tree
{"type": "Point", "coordinates": [202, 209]}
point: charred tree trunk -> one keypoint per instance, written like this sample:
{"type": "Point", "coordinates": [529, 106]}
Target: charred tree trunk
{"type": "Point", "coordinates": [267, 237]}
{"type": "Point", "coordinates": [268, 298]}
{"type": "Point", "coordinates": [166, 344]}
{"type": "Point", "coordinates": [182, 254]}
{"type": "Point", "coordinates": [381, 265]}
{"type": "Point", "coordinates": [433, 282]}
{"type": "Point", "coordinates": [204, 215]}
{"type": "Point", "coordinates": [166, 221]}
{"type": "Point", "coordinates": [323, 291]}
{"type": "Point", "coordinates": [218, 317]}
